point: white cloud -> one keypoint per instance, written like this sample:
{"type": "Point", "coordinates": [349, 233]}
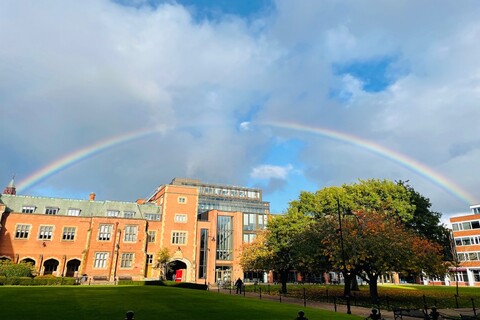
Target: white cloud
{"type": "Point", "coordinates": [267, 171]}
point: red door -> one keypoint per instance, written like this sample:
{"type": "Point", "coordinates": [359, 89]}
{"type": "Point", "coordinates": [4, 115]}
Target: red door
{"type": "Point", "coordinates": [178, 275]}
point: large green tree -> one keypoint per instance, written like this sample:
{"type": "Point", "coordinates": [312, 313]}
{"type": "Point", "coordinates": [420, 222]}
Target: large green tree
{"type": "Point", "coordinates": [380, 219]}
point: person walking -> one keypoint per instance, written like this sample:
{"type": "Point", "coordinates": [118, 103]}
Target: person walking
{"type": "Point", "coordinates": [239, 285]}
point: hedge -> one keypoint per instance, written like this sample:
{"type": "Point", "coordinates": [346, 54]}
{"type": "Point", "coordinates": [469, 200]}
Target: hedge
{"type": "Point", "coordinates": [37, 281]}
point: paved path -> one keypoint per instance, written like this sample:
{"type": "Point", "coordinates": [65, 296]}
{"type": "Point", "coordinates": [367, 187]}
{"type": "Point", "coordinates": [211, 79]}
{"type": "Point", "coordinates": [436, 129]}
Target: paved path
{"type": "Point", "coordinates": [356, 310]}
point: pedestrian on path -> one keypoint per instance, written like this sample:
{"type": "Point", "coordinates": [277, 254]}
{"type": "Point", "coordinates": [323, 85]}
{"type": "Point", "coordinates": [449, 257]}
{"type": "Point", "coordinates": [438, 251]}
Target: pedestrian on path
{"type": "Point", "coordinates": [238, 285]}
{"type": "Point", "coordinates": [375, 315]}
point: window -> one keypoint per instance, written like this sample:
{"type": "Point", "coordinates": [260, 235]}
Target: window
{"type": "Point", "coordinates": [51, 210]}
{"type": "Point", "coordinates": [152, 216]}
{"type": "Point", "coordinates": [149, 259]}
{"type": "Point", "coordinates": [45, 233]}
{"type": "Point", "coordinates": [476, 275]}
{"type": "Point", "coordinates": [247, 238]}
{"type": "Point", "coordinates": [455, 227]}
{"type": "Point", "coordinates": [113, 213]}
{"type": "Point", "coordinates": [127, 260]}
{"type": "Point", "coordinates": [151, 235]}
{"type": "Point", "coordinates": [100, 260]}
{"type": "Point", "coordinates": [129, 214]}
{"type": "Point", "coordinates": [475, 224]}
{"type": "Point", "coordinates": [179, 237]}
{"type": "Point", "coordinates": [224, 238]}
{"type": "Point", "coordinates": [28, 209]}
{"type": "Point", "coordinates": [182, 200]}
{"type": "Point", "coordinates": [73, 212]}
{"type": "Point", "coordinates": [466, 226]}
{"type": "Point", "coordinates": [202, 270]}
{"type": "Point", "coordinates": [104, 232]}
{"type": "Point", "coordinates": [22, 231]}
{"type": "Point", "coordinates": [130, 233]}
{"type": "Point", "coordinates": [181, 218]}
{"type": "Point", "coordinates": [68, 233]}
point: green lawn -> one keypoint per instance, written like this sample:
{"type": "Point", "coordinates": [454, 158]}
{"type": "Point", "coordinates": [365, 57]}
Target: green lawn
{"type": "Point", "coordinates": [148, 303]}
{"type": "Point", "coordinates": [408, 296]}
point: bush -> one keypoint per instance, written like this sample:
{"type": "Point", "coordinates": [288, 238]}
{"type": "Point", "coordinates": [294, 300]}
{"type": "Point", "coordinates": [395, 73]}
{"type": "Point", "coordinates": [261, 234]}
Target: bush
{"type": "Point", "coordinates": [37, 281]}
{"type": "Point", "coordinates": [10, 269]}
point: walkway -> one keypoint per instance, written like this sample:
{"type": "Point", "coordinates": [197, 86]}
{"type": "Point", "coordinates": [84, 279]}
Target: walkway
{"type": "Point", "coordinates": [356, 310]}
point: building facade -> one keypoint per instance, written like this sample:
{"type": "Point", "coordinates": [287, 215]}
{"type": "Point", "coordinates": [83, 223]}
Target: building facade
{"type": "Point", "coordinates": [466, 244]}
{"type": "Point", "coordinates": [203, 226]}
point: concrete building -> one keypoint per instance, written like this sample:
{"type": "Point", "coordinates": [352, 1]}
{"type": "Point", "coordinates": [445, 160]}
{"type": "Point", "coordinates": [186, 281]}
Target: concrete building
{"type": "Point", "coordinates": [203, 226]}
{"type": "Point", "coordinates": [466, 241]}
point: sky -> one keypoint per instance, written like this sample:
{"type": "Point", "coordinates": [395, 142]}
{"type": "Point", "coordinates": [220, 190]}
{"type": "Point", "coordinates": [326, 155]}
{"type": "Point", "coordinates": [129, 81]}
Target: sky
{"type": "Point", "coordinates": [119, 97]}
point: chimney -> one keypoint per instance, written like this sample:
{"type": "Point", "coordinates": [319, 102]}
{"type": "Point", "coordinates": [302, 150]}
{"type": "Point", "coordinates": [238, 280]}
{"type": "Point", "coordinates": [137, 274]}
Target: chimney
{"type": "Point", "coordinates": [92, 196]}
{"type": "Point", "coordinates": [11, 189]}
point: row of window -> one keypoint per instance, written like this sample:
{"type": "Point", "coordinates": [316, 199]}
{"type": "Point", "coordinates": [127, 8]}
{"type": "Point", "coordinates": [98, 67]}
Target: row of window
{"type": "Point", "coordinates": [468, 256]}
{"type": "Point", "coordinates": [467, 241]}
{"type": "Point", "coordinates": [45, 232]}
{"type": "Point", "coordinates": [22, 231]}
{"type": "Point", "coordinates": [231, 192]}
{"type": "Point", "coordinates": [76, 212]}
{"type": "Point", "coordinates": [468, 225]}
{"type": "Point", "coordinates": [101, 259]}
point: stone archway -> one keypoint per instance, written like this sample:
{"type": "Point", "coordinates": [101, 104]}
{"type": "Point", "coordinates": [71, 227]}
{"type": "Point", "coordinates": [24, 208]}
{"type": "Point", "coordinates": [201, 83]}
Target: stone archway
{"type": "Point", "coordinates": [50, 266]}
{"type": "Point", "coordinates": [28, 260]}
{"type": "Point", "coordinates": [72, 268]}
{"type": "Point", "coordinates": [177, 271]}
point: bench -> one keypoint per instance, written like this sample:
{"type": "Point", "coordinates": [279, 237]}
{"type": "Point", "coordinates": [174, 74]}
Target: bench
{"type": "Point", "coordinates": [125, 278]}
{"type": "Point", "coordinates": [100, 278]}
{"type": "Point", "coordinates": [469, 317]}
{"type": "Point", "coordinates": [399, 313]}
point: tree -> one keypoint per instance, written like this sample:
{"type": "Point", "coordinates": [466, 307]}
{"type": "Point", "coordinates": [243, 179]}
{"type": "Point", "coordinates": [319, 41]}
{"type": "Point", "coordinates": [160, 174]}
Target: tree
{"type": "Point", "coordinates": [377, 238]}
{"type": "Point", "coordinates": [278, 249]}
{"type": "Point", "coordinates": [163, 257]}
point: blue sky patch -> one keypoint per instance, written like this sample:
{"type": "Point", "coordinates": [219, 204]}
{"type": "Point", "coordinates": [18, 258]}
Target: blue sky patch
{"type": "Point", "coordinates": [209, 9]}
{"type": "Point", "coordinates": [375, 74]}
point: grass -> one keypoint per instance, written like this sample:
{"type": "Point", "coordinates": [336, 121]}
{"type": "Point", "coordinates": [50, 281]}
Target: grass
{"type": "Point", "coordinates": [148, 303]}
{"type": "Point", "coordinates": [407, 296]}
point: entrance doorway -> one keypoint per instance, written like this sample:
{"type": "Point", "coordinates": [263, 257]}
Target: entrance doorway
{"type": "Point", "coordinates": [176, 271]}
{"type": "Point", "coordinates": [72, 267]}
{"type": "Point", "coordinates": [50, 266]}
{"type": "Point", "coordinates": [223, 275]}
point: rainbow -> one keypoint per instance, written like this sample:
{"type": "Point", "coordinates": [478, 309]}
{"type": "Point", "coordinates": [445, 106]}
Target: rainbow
{"type": "Point", "coordinates": [401, 159]}
{"type": "Point", "coordinates": [80, 155]}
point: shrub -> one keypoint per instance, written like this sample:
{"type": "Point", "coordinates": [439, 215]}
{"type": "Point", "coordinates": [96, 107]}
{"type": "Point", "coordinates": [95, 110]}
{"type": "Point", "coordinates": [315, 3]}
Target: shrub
{"type": "Point", "coordinates": [10, 269]}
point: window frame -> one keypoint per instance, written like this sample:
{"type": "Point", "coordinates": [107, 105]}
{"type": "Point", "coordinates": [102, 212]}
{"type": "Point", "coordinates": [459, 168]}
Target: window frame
{"type": "Point", "coordinates": [127, 260]}
{"type": "Point", "coordinates": [179, 237]}
{"type": "Point", "coordinates": [130, 233]}
{"type": "Point", "coordinates": [100, 260]}
{"type": "Point", "coordinates": [66, 234]}
{"type": "Point", "coordinates": [47, 233]}
{"type": "Point", "coordinates": [26, 232]}
{"type": "Point", "coordinates": [28, 209]}
{"type": "Point", "coordinates": [104, 233]}
{"type": "Point", "coordinates": [180, 218]}
{"type": "Point", "coordinates": [52, 210]}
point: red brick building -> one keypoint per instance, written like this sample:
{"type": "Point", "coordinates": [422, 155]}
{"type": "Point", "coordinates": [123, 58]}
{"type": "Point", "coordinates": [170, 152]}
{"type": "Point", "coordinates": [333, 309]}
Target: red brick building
{"type": "Point", "coordinates": [202, 225]}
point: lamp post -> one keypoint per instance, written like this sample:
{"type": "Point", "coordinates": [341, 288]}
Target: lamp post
{"type": "Point", "coordinates": [346, 275]}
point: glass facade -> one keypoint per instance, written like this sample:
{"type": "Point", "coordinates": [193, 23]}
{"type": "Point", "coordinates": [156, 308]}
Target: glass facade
{"type": "Point", "coordinates": [224, 238]}
{"type": "Point", "coordinates": [202, 268]}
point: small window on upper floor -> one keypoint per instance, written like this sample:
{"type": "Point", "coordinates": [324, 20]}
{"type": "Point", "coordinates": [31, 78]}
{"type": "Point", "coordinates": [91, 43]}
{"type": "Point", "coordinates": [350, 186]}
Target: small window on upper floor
{"type": "Point", "coordinates": [73, 212]}
{"type": "Point", "coordinates": [476, 224]}
{"type": "Point", "coordinates": [153, 216]}
{"type": "Point", "coordinates": [181, 218]}
{"type": "Point", "coordinates": [51, 210]}
{"type": "Point", "coordinates": [129, 214]}
{"type": "Point", "coordinates": [28, 209]}
{"type": "Point", "coordinates": [113, 213]}
{"type": "Point", "coordinates": [182, 200]}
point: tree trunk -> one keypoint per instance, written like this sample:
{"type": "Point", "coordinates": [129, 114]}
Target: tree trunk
{"type": "Point", "coordinates": [283, 280]}
{"type": "Point", "coordinates": [355, 283]}
{"type": "Point", "coordinates": [347, 277]}
{"type": "Point", "coordinates": [372, 283]}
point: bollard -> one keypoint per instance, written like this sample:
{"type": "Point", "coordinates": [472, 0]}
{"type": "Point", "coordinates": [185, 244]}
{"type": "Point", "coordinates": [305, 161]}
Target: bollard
{"type": "Point", "coordinates": [230, 289]}
{"type": "Point", "coordinates": [243, 287]}
{"type": "Point", "coordinates": [280, 295]}
{"type": "Point", "coordinates": [327, 296]}
{"type": "Point", "coordinates": [473, 307]}
{"type": "Point", "coordinates": [129, 315]}
{"type": "Point", "coordinates": [335, 303]}
{"type": "Point", "coordinates": [260, 293]}
{"type": "Point", "coordinates": [304, 298]}
{"type": "Point", "coordinates": [268, 288]}
{"type": "Point", "coordinates": [456, 301]}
